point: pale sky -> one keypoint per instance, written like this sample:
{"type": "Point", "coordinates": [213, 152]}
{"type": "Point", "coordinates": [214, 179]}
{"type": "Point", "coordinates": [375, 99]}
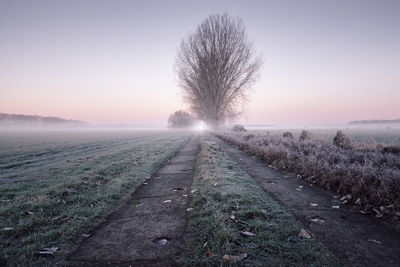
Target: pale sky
{"type": "Point", "coordinates": [112, 61]}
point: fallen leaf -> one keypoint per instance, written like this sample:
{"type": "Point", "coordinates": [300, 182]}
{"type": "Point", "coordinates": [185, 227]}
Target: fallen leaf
{"type": "Point", "coordinates": [161, 241]}
{"type": "Point", "coordinates": [233, 258]}
{"type": "Point", "coordinates": [300, 186]}
{"type": "Point", "coordinates": [7, 229]}
{"type": "Point", "coordinates": [303, 233]}
{"type": "Point", "coordinates": [313, 204]}
{"type": "Point", "coordinates": [48, 251]}
{"type": "Point", "coordinates": [85, 235]}
{"type": "Point", "coordinates": [335, 207]}
{"type": "Point", "coordinates": [317, 219]}
{"type": "Point", "coordinates": [25, 213]}
{"type": "Point", "coordinates": [145, 183]}
{"type": "Point", "coordinates": [345, 198]}
{"type": "Point", "coordinates": [167, 201]}
{"type": "Point", "coordinates": [246, 233]}
{"type": "Point", "coordinates": [205, 244]}
{"type": "Point", "coordinates": [193, 191]}
{"type": "Point", "coordinates": [137, 204]}
{"type": "Point", "coordinates": [189, 209]}
{"type": "Point", "coordinates": [232, 217]}
{"type": "Point", "coordinates": [215, 184]}
{"type": "Point", "coordinates": [375, 241]}
{"type": "Point", "coordinates": [184, 195]}
{"type": "Point", "coordinates": [251, 245]}
{"type": "Point", "coordinates": [377, 213]}
{"type": "Point", "coordinates": [397, 214]}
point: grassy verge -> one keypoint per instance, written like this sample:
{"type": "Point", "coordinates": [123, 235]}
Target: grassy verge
{"type": "Point", "coordinates": [228, 202]}
{"type": "Point", "coordinates": [55, 212]}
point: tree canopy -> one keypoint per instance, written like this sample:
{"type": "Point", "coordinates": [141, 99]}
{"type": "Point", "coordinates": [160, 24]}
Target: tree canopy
{"type": "Point", "coordinates": [216, 67]}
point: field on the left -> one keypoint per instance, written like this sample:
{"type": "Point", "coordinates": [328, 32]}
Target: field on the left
{"type": "Point", "coordinates": [57, 186]}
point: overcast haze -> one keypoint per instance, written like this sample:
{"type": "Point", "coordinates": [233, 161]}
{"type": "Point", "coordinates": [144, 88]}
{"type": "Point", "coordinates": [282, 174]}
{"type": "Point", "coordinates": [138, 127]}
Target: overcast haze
{"type": "Point", "coordinates": [112, 61]}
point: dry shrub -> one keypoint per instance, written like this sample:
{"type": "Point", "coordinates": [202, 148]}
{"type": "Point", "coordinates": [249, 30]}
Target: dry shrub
{"type": "Point", "coordinates": [392, 149]}
{"type": "Point", "coordinates": [247, 137]}
{"type": "Point", "coordinates": [237, 128]}
{"type": "Point", "coordinates": [288, 135]}
{"type": "Point", "coordinates": [370, 177]}
{"type": "Point", "coordinates": [342, 141]}
{"type": "Point", "coordinates": [305, 136]}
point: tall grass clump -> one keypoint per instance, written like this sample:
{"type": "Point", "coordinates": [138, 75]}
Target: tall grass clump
{"type": "Point", "coordinates": [368, 177]}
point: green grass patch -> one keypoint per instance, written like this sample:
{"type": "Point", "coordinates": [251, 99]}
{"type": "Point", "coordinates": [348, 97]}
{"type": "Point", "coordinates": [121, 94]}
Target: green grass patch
{"type": "Point", "coordinates": [224, 192]}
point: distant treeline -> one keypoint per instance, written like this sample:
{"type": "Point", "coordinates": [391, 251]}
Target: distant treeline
{"type": "Point", "coordinates": [375, 122]}
{"type": "Point", "coordinates": [11, 119]}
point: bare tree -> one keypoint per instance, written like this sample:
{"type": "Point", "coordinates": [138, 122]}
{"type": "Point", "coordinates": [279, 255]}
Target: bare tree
{"type": "Point", "coordinates": [216, 67]}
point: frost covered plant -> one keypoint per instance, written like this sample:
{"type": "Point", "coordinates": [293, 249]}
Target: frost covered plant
{"type": "Point", "coordinates": [237, 128]}
{"type": "Point", "coordinates": [369, 175]}
{"type": "Point", "coordinates": [342, 141]}
{"type": "Point", "coordinates": [392, 149]}
{"type": "Point", "coordinates": [305, 135]}
{"type": "Point", "coordinates": [287, 135]}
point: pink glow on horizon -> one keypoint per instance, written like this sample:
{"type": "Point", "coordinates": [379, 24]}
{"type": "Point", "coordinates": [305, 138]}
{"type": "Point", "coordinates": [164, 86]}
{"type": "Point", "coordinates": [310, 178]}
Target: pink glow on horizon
{"type": "Point", "coordinates": [113, 63]}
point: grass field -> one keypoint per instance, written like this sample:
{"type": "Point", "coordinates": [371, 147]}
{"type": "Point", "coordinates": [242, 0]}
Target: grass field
{"type": "Point", "coordinates": [57, 186]}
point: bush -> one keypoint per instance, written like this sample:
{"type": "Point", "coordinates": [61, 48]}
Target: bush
{"type": "Point", "coordinates": [392, 149]}
{"type": "Point", "coordinates": [288, 135]}
{"type": "Point", "coordinates": [305, 135]}
{"type": "Point", "coordinates": [371, 177]}
{"type": "Point", "coordinates": [342, 141]}
{"type": "Point", "coordinates": [237, 128]}
{"type": "Point", "coordinates": [181, 119]}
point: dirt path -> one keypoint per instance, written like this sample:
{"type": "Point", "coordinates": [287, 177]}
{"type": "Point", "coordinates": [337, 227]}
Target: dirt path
{"type": "Point", "coordinates": [149, 229]}
{"type": "Point", "coordinates": [355, 239]}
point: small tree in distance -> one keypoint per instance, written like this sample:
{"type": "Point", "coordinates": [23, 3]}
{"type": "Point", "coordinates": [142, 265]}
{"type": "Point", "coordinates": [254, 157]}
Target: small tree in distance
{"type": "Point", "coordinates": [216, 67]}
{"type": "Point", "coordinates": [181, 119]}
